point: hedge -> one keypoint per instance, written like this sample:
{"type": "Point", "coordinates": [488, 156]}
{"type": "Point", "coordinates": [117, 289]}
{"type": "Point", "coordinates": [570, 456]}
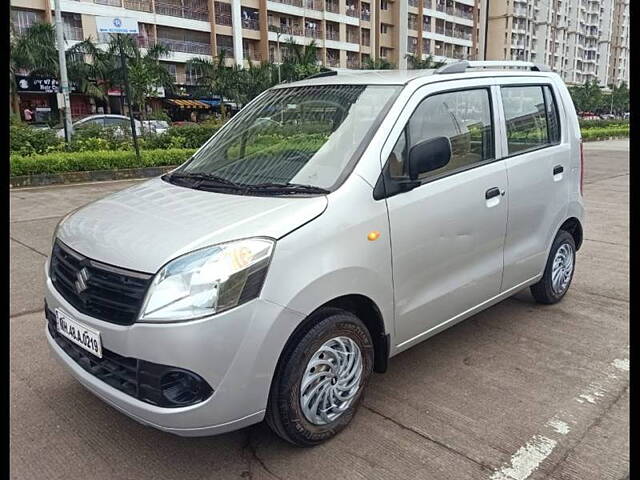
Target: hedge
{"type": "Point", "coordinates": [605, 133]}
{"type": "Point", "coordinates": [99, 160]}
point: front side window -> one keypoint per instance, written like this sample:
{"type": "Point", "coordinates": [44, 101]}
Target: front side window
{"type": "Point", "coordinates": [296, 135]}
{"type": "Point", "coordinates": [527, 115]}
{"type": "Point", "coordinates": [464, 117]}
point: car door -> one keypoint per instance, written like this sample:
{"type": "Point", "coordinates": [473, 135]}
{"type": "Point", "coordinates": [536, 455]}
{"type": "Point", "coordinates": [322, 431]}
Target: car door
{"type": "Point", "coordinates": [538, 168]}
{"type": "Point", "coordinates": [447, 234]}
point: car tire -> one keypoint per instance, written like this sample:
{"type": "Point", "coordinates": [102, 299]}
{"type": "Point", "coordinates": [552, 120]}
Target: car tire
{"type": "Point", "coordinates": [335, 340]}
{"type": "Point", "coordinates": [558, 271]}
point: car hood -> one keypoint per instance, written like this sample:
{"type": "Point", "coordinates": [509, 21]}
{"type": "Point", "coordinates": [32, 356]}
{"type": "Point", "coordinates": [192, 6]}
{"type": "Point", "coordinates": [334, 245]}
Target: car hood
{"type": "Point", "coordinates": [144, 226]}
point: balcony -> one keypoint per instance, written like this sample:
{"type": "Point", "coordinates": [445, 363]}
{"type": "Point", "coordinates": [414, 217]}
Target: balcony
{"type": "Point", "coordinates": [413, 3]}
{"type": "Point", "coordinates": [366, 16]}
{"type": "Point", "coordinates": [294, 3]}
{"type": "Point", "coordinates": [252, 55]}
{"type": "Point", "coordinates": [175, 10]}
{"type": "Point", "coordinates": [185, 46]}
{"type": "Point", "coordinates": [333, 35]}
{"type": "Point", "coordinates": [333, 61]}
{"type": "Point", "coordinates": [314, 4]}
{"type": "Point", "coordinates": [250, 24]}
{"type": "Point", "coordinates": [352, 11]}
{"type": "Point", "coordinates": [111, 3]}
{"type": "Point", "coordinates": [332, 7]}
{"type": "Point", "coordinates": [227, 49]}
{"type": "Point", "coordinates": [413, 25]}
{"type": "Point", "coordinates": [313, 32]}
{"type": "Point", "coordinates": [139, 5]}
{"type": "Point", "coordinates": [223, 19]}
{"type": "Point", "coordinates": [353, 37]}
{"type": "Point", "coordinates": [353, 64]}
{"type": "Point", "coordinates": [286, 29]}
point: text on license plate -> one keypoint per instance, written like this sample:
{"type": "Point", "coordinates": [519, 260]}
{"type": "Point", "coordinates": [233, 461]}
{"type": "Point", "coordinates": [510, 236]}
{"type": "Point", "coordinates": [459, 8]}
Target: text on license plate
{"type": "Point", "coordinates": [79, 334]}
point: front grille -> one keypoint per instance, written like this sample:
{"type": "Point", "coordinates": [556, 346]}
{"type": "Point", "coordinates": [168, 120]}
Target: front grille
{"type": "Point", "coordinates": [150, 382]}
{"type": "Point", "coordinates": [102, 291]}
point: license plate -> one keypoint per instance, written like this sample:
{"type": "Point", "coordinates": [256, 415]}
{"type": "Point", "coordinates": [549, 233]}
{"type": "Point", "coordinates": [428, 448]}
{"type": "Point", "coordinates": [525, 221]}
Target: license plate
{"type": "Point", "coordinates": [82, 336]}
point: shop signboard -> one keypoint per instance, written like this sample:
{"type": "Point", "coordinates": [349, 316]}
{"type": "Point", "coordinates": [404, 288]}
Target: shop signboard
{"type": "Point", "coordinates": [117, 25]}
{"type": "Point", "coordinates": [39, 84]}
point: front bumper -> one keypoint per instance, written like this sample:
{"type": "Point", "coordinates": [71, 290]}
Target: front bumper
{"type": "Point", "coordinates": [236, 352]}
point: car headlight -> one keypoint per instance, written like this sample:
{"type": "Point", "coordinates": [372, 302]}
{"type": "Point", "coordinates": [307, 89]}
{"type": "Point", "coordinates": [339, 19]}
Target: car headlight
{"type": "Point", "coordinates": [208, 281]}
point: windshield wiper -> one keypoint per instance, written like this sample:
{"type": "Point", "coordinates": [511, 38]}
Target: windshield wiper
{"type": "Point", "coordinates": [199, 180]}
{"type": "Point", "coordinates": [286, 188]}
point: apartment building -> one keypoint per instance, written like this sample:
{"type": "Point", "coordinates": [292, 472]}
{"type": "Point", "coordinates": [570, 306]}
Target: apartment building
{"type": "Point", "coordinates": [573, 37]}
{"type": "Point", "coordinates": [619, 57]}
{"type": "Point", "coordinates": [346, 31]}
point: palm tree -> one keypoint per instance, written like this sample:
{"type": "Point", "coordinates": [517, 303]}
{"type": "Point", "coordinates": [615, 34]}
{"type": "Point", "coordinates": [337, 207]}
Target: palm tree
{"type": "Point", "coordinates": [92, 69]}
{"type": "Point", "coordinates": [300, 61]}
{"type": "Point", "coordinates": [416, 63]}
{"type": "Point", "coordinates": [215, 78]}
{"type": "Point", "coordinates": [146, 73]}
{"type": "Point", "coordinates": [377, 64]}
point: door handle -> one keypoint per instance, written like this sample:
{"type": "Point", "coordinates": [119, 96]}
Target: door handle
{"type": "Point", "coordinates": [492, 192]}
{"type": "Point", "coordinates": [558, 169]}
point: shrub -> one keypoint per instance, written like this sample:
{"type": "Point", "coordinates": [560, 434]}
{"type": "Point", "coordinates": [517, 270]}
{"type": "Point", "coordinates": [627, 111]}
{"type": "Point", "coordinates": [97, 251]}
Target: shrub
{"type": "Point", "coordinates": [25, 140]}
{"type": "Point", "coordinates": [603, 123]}
{"type": "Point", "coordinates": [95, 160]}
{"type": "Point", "coordinates": [605, 132]}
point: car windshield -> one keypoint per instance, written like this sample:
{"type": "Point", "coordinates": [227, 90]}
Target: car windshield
{"type": "Point", "coordinates": [295, 136]}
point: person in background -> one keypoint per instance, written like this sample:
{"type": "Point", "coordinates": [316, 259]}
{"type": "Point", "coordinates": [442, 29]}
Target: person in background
{"type": "Point", "coordinates": [194, 116]}
{"type": "Point", "coordinates": [28, 114]}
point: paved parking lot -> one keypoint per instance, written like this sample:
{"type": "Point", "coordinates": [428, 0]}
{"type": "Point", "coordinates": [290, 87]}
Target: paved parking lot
{"type": "Point", "coordinates": [518, 391]}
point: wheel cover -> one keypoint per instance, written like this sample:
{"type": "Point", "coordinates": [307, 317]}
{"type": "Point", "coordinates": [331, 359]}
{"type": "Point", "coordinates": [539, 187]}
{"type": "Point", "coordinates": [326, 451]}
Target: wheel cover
{"type": "Point", "coordinates": [562, 268]}
{"type": "Point", "coordinates": [331, 380]}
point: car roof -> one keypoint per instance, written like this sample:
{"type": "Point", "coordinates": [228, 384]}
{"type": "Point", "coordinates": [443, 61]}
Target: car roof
{"type": "Point", "coordinates": [403, 77]}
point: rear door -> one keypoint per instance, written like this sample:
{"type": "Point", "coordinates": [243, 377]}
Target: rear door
{"type": "Point", "coordinates": [447, 234]}
{"type": "Point", "coordinates": [538, 160]}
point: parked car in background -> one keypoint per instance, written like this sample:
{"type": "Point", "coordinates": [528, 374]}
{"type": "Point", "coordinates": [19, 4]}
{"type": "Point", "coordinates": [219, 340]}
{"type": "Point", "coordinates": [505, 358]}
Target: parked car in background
{"type": "Point", "coordinates": [120, 122]}
{"type": "Point", "coordinates": [155, 126]}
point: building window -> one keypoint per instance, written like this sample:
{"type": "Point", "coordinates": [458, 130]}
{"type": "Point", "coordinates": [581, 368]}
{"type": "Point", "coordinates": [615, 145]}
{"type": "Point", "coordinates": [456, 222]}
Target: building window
{"type": "Point", "coordinates": [22, 19]}
{"type": "Point", "coordinates": [223, 13]}
{"type": "Point", "coordinates": [384, 5]}
{"type": "Point", "coordinates": [72, 26]}
{"type": "Point", "coordinates": [224, 43]}
{"type": "Point", "coordinates": [250, 19]}
{"type": "Point", "coordinates": [384, 28]}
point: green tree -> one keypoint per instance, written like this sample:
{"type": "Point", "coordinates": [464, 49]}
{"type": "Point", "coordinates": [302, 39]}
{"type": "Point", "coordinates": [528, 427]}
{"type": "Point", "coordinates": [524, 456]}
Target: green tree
{"type": "Point", "coordinates": [299, 61]}
{"type": "Point", "coordinates": [620, 98]}
{"type": "Point", "coordinates": [416, 63]}
{"type": "Point", "coordinates": [587, 97]}
{"type": "Point", "coordinates": [377, 64]}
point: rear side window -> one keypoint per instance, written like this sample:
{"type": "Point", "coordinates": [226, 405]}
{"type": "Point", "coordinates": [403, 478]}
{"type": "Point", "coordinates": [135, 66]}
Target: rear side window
{"type": "Point", "coordinates": [464, 117]}
{"type": "Point", "coordinates": [531, 118]}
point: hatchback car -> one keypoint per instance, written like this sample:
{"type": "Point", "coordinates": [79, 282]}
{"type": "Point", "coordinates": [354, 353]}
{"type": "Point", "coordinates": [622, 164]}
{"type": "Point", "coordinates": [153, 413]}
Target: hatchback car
{"type": "Point", "coordinates": [120, 123]}
{"type": "Point", "coordinates": [332, 224]}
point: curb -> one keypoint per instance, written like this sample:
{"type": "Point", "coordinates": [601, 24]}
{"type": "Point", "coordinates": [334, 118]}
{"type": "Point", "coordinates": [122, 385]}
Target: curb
{"type": "Point", "coordinates": [44, 179]}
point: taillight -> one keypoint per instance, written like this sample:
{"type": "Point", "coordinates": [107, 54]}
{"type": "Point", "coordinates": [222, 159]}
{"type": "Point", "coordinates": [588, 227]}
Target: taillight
{"type": "Point", "coordinates": [581, 168]}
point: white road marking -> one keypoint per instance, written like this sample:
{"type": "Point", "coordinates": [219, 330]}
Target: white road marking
{"type": "Point", "coordinates": [559, 426]}
{"type": "Point", "coordinates": [527, 459]}
{"type": "Point", "coordinates": [621, 364]}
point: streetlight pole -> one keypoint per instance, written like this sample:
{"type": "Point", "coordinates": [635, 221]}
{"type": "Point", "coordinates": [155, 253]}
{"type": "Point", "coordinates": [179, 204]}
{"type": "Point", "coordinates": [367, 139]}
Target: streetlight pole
{"type": "Point", "coordinates": [123, 60]}
{"type": "Point", "coordinates": [64, 81]}
{"type": "Point", "coordinates": [279, 56]}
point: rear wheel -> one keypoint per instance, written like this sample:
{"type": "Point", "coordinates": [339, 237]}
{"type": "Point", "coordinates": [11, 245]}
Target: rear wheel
{"type": "Point", "coordinates": [558, 272]}
{"type": "Point", "coordinates": [320, 379]}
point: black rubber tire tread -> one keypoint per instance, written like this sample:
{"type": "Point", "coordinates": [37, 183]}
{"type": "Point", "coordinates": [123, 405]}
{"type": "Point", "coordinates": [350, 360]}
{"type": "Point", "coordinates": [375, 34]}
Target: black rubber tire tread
{"type": "Point", "coordinates": [542, 291]}
{"type": "Point", "coordinates": [284, 414]}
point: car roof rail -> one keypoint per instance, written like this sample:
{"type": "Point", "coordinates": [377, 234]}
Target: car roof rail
{"type": "Point", "coordinates": [325, 73]}
{"type": "Point", "coordinates": [462, 65]}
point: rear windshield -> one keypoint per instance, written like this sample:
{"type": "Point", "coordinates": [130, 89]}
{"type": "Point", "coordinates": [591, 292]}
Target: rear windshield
{"type": "Point", "coordinates": [295, 135]}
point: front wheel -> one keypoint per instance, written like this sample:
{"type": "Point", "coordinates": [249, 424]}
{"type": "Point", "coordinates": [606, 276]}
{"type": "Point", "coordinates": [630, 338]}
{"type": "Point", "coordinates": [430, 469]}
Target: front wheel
{"type": "Point", "coordinates": [320, 379]}
{"type": "Point", "coordinates": [558, 272]}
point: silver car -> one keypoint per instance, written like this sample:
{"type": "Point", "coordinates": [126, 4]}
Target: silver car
{"type": "Point", "coordinates": [288, 259]}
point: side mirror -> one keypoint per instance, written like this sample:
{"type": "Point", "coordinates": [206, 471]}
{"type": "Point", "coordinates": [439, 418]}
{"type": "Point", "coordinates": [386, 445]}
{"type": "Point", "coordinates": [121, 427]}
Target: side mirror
{"type": "Point", "coordinates": [429, 155]}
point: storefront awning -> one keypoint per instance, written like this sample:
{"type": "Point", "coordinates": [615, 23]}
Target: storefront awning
{"type": "Point", "coordinates": [188, 103]}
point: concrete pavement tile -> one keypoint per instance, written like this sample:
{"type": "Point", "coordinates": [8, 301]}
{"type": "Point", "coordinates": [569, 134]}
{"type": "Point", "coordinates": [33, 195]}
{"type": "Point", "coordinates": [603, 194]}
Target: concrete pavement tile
{"type": "Point", "coordinates": [36, 234]}
{"type": "Point", "coordinates": [26, 279]}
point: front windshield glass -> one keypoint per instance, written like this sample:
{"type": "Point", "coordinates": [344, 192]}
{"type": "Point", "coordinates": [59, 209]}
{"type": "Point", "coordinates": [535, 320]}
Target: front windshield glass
{"type": "Point", "coordinates": [296, 135]}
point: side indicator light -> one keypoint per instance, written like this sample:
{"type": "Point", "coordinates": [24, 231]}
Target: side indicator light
{"type": "Point", "coordinates": [373, 236]}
